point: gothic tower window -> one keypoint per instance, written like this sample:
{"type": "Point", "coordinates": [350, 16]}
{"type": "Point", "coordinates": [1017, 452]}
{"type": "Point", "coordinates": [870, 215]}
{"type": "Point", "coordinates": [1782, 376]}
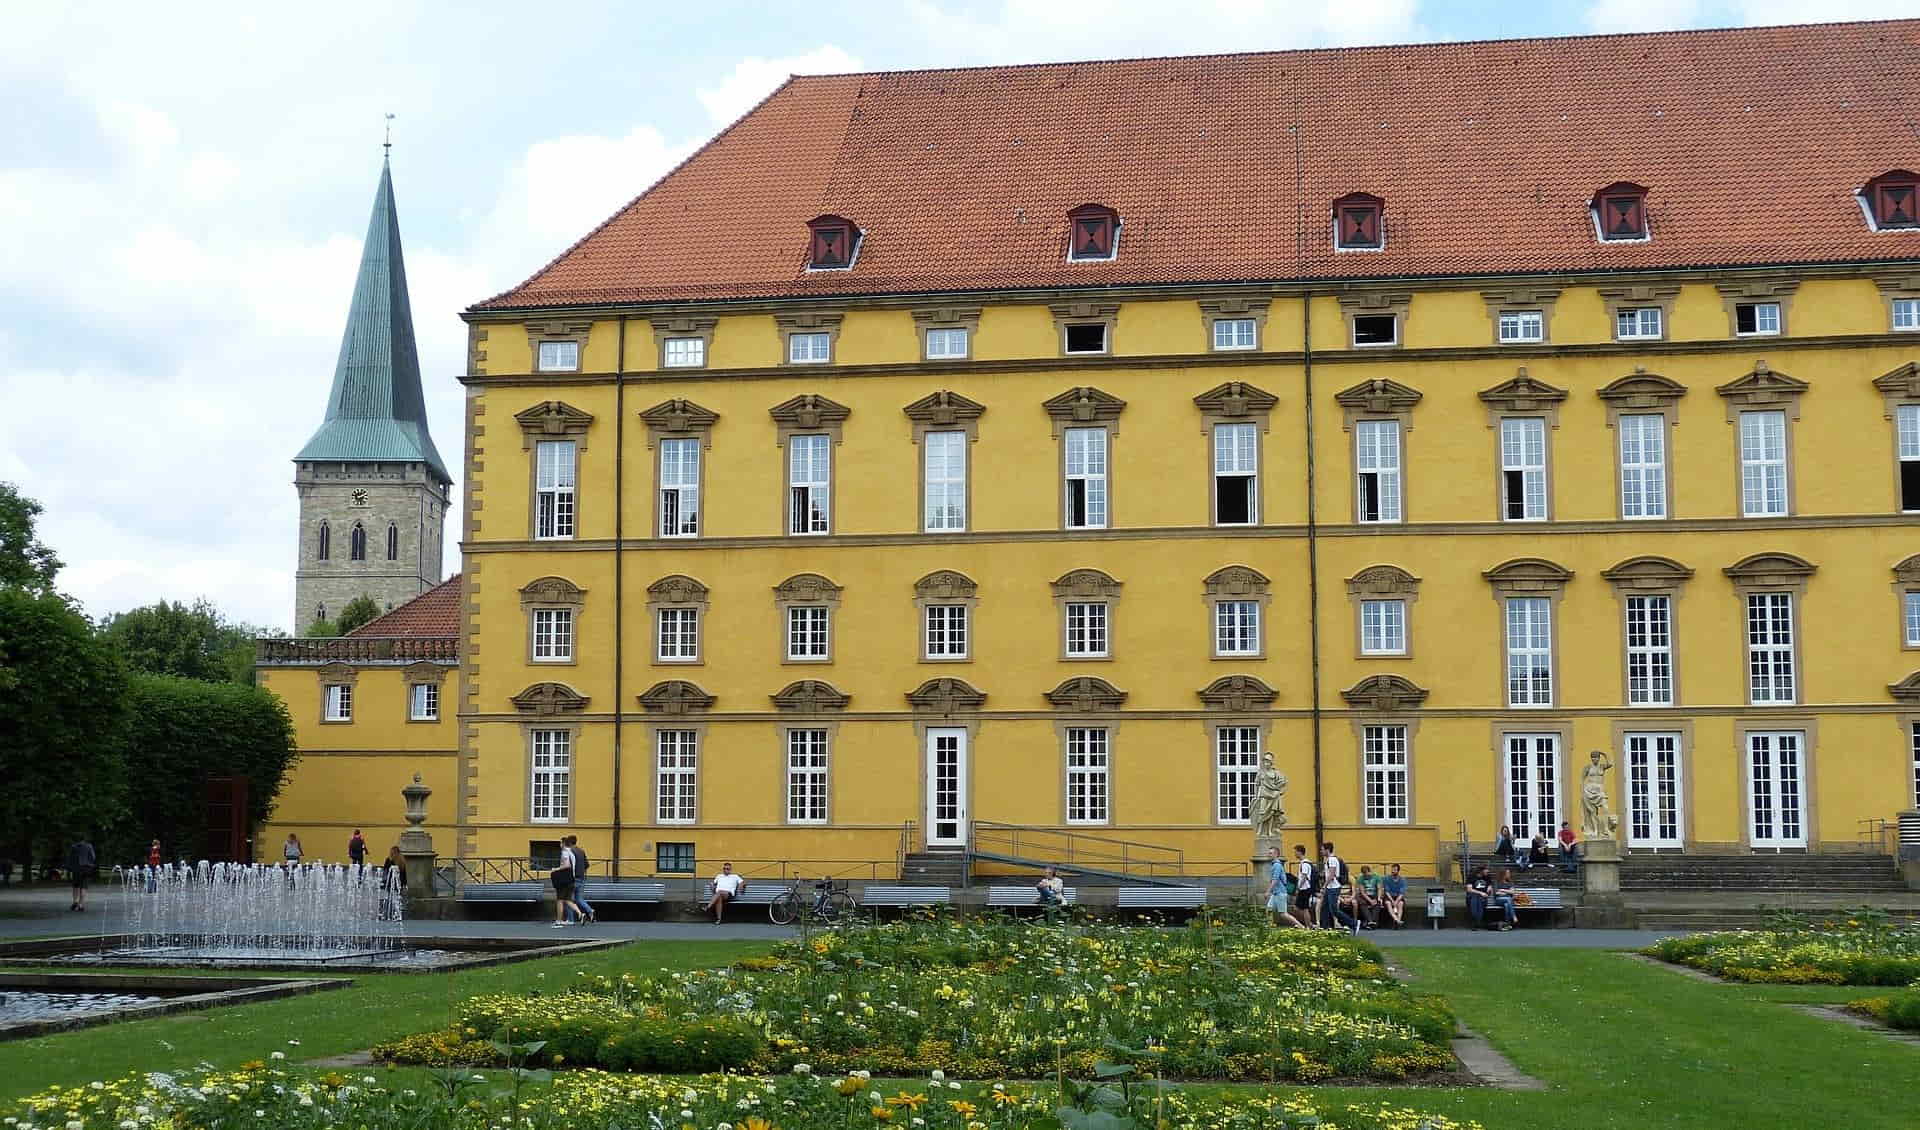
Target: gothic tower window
{"type": "Point", "coordinates": [393, 542]}
{"type": "Point", "coordinates": [357, 543]}
{"type": "Point", "coordinates": [323, 546]}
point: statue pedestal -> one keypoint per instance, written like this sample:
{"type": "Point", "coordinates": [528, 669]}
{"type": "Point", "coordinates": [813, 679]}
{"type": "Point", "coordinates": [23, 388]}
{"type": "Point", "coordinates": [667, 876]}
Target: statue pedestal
{"type": "Point", "coordinates": [1263, 844]}
{"type": "Point", "coordinates": [1601, 906]}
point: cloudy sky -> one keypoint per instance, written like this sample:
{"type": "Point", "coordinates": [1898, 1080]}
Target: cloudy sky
{"type": "Point", "coordinates": [183, 190]}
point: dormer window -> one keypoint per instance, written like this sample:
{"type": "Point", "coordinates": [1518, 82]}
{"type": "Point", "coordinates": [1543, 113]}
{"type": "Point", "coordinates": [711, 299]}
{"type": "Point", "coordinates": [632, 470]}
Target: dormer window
{"type": "Point", "coordinates": [1095, 231]}
{"type": "Point", "coordinates": [1892, 201]}
{"type": "Point", "coordinates": [834, 243]}
{"type": "Point", "coordinates": [1358, 224]}
{"type": "Point", "coordinates": [1620, 213]}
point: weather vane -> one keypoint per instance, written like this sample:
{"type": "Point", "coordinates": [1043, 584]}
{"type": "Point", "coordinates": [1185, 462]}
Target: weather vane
{"type": "Point", "coordinates": [388, 144]}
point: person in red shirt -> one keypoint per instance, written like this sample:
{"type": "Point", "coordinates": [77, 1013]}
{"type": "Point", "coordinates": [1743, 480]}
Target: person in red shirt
{"type": "Point", "coordinates": [1569, 850]}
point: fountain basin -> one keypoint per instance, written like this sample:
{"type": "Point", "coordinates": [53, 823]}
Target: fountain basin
{"type": "Point", "coordinates": [35, 1004]}
{"type": "Point", "coordinates": [415, 955]}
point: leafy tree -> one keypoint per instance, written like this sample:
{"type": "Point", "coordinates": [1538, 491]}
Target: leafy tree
{"type": "Point", "coordinates": [62, 722]}
{"type": "Point", "coordinates": [170, 638]}
{"type": "Point", "coordinates": [179, 733]}
{"type": "Point", "coordinates": [24, 562]}
{"type": "Point", "coordinates": [321, 629]}
{"type": "Point", "coordinates": [359, 611]}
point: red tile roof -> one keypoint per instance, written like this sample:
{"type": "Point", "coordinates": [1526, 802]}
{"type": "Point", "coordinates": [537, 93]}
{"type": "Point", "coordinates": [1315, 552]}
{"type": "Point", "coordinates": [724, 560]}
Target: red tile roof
{"type": "Point", "coordinates": [1751, 141]}
{"type": "Point", "coordinates": [433, 614]}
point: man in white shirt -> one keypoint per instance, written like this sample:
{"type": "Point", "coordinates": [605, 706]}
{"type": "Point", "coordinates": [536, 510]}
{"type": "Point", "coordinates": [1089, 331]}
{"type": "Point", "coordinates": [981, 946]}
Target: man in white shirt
{"type": "Point", "coordinates": [1334, 877]}
{"type": "Point", "coordinates": [726, 887]}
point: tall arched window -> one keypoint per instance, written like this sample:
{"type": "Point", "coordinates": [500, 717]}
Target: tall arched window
{"type": "Point", "coordinates": [393, 542]}
{"type": "Point", "coordinates": [323, 544]}
{"type": "Point", "coordinates": [357, 543]}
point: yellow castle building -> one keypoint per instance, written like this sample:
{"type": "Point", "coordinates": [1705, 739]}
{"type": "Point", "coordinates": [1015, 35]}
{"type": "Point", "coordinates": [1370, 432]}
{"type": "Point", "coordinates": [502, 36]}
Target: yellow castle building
{"type": "Point", "coordinates": [1007, 460]}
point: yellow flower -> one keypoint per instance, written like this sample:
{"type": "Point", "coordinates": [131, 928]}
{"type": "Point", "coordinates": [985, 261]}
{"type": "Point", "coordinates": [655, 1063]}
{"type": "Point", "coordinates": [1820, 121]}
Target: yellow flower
{"type": "Point", "coordinates": [848, 1086]}
{"type": "Point", "coordinates": [881, 1114]}
{"type": "Point", "coordinates": [914, 1102]}
{"type": "Point", "coordinates": [1005, 1098]}
{"type": "Point", "coordinates": [962, 1108]}
{"type": "Point", "coordinates": [252, 1065]}
{"type": "Point", "coordinates": [755, 1122]}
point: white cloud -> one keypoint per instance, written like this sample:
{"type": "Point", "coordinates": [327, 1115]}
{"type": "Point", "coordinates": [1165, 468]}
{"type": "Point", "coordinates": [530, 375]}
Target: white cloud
{"type": "Point", "coordinates": [1618, 16]}
{"type": "Point", "coordinates": [754, 78]}
{"type": "Point", "coordinates": [1039, 31]}
{"type": "Point", "coordinates": [1764, 12]}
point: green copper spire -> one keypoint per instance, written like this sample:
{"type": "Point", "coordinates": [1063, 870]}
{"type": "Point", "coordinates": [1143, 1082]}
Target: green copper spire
{"type": "Point", "coordinates": [376, 412]}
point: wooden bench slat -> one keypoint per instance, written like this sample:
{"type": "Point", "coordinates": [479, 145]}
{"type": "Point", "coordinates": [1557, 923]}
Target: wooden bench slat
{"type": "Point", "coordinates": [525, 891]}
{"type": "Point", "coordinates": [906, 896]}
{"type": "Point", "coordinates": [623, 890]}
{"type": "Point", "coordinates": [1026, 896]}
{"type": "Point", "coordinates": [1188, 898]}
{"type": "Point", "coordinates": [755, 894]}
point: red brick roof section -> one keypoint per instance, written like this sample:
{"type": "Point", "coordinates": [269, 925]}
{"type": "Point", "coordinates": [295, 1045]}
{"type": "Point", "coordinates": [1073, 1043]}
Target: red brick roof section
{"type": "Point", "coordinates": [433, 614]}
{"type": "Point", "coordinates": [1752, 143]}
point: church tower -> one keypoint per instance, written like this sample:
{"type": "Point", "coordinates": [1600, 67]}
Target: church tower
{"type": "Point", "coordinates": [373, 492]}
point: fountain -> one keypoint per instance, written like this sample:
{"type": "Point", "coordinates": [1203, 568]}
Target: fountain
{"type": "Point", "coordinates": [250, 912]}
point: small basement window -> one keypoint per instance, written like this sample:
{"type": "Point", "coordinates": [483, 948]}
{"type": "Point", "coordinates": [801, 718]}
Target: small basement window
{"type": "Point", "coordinates": [1087, 337]}
{"type": "Point", "coordinates": [1756, 319]}
{"type": "Point", "coordinates": [675, 858]}
{"type": "Point", "coordinates": [1376, 329]}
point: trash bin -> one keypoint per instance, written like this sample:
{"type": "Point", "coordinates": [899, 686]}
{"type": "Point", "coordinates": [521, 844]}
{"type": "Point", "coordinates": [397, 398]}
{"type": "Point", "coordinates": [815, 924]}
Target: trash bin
{"type": "Point", "coordinates": [1436, 905]}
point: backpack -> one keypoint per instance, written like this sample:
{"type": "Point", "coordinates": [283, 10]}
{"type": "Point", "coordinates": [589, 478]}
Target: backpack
{"type": "Point", "coordinates": [579, 860]}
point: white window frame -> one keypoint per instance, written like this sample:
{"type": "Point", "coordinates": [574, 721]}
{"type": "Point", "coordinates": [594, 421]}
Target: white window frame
{"type": "Point", "coordinates": [1905, 315]}
{"type": "Point", "coordinates": [1772, 672]}
{"type": "Point", "coordinates": [680, 487]}
{"type": "Point", "coordinates": [557, 357]}
{"type": "Point", "coordinates": [423, 702]}
{"type": "Point", "coordinates": [1383, 626]}
{"type": "Point", "coordinates": [684, 353]}
{"type": "Point", "coordinates": [1236, 772]}
{"type": "Point", "coordinates": [1515, 458]}
{"type": "Point", "coordinates": [1376, 458]}
{"type": "Point", "coordinates": [1910, 616]}
{"type": "Point", "coordinates": [809, 633]}
{"type": "Point", "coordinates": [1066, 337]}
{"type": "Point", "coordinates": [1385, 774]}
{"type": "Point", "coordinates": [339, 702]}
{"type": "Point", "coordinates": [1089, 622]}
{"type": "Point", "coordinates": [1766, 319]}
{"type": "Point", "coordinates": [1236, 455]}
{"type": "Point", "coordinates": [1643, 465]}
{"type": "Point", "coordinates": [1236, 628]}
{"type": "Point", "coordinates": [1353, 331]}
{"type": "Point", "coordinates": [676, 633]}
{"type": "Point", "coordinates": [550, 776]}
{"type": "Point", "coordinates": [1789, 823]}
{"type": "Point", "coordinates": [556, 489]}
{"type": "Point", "coordinates": [943, 460]}
{"type": "Point", "coordinates": [1656, 789]}
{"type": "Point", "coordinates": [1639, 323]}
{"type": "Point", "coordinates": [1535, 791]}
{"type": "Point", "coordinates": [552, 635]}
{"type": "Point", "coordinates": [948, 343]}
{"type": "Point", "coordinates": [1913, 738]}
{"type": "Point", "coordinates": [810, 347]}
{"type": "Point", "coordinates": [809, 761]}
{"type": "Point", "coordinates": [809, 485]}
{"type": "Point", "coordinates": [1521, 327]}
{"type": "Point", "coordinates": [1528, 624]}
{"type": "Point", "coordinates": [1650, 667]}
{"type": "Point", "coordinates": [946, 632]}
{"type": "Point", "coordinates": [1764, 485]}
{"type": "Point", "coordinates": [1089, 775]}
{"type": "Point", "coordinates": [1085, 462]}
{"type": "Point", "coordinates": [1235, 334]}
{"type": "Point", "coordinates": [676, 761]}
{"type": "Point", "coordinates": [1906, 434]}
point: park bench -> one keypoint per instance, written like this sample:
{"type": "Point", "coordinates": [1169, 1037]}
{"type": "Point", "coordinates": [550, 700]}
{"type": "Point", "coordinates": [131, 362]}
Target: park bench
{"type": "Point", "coordinates": [877, 896]}
{"type": "Point", "coordinates": [523, 891]}
{"type": "Point", "coordinates": [622, 891]}
{"type": "Point", "coordinates": [761, 893]}
{"type": "Point", "coordinates": [1160, 898]}
{"type": "Point", "coordinates": [1015, 898]}
{"type": "Point", "coordinates": [1546, 899]}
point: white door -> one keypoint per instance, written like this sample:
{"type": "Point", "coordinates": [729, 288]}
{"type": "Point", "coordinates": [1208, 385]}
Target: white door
{"type": "Point", "coordinates": [1533, 785]}
{"type": "Point", "coordinates": [946, 786]}
{"type": "Point", "coordinates": [1776, 778]}
{"type": "Point", "coordinates": [1653, 791]}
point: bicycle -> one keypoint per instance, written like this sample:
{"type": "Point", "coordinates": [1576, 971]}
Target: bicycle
{"type": "Point", "coordinates": [828, 902]}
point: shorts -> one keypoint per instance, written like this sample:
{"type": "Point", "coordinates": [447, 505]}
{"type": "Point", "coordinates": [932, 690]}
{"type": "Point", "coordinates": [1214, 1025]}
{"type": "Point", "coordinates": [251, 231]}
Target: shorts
{"type": "Point", "coordinates": [1303, 899]}
{"type": "Point", "coordinates": [81, 877]}
{"type": "Point", "coordinates": [563, 890]}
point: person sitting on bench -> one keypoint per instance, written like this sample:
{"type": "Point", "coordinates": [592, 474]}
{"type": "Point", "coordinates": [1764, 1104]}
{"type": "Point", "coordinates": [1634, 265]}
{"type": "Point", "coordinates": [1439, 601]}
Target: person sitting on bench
{"type": "Point", "coordinates": [1502, 900]}
{"type": "Point", "coordinates": [1052, 891]}
{"type": "Point", "coordinates": [1479, 890]}
{"type": "Point", "coordinates": [726, 887]}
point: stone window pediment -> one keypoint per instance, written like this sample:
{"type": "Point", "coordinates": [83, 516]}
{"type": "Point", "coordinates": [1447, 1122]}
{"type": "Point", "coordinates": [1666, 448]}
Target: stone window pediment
{"type": "Point", "coordinates": [808, 413]}
{"type": "Point", "coordinates": [1901, 386]}
{"type": "Point", "coordinates": [1523, 395]}
{"type": "Point", "coordinates": [548, 699]}
{"type": "Point", "coordinates": [1524, 298]}
{"type": "Point", "coordinates": [945, 411]}
{"type": "Point", "coordinates": [1641, 391]}
{"type": "Point", "coordinates": [1080, 407]}
{"type": "Point", "coordinates": [1383, 581]}
{"type": "Point", "coordinates": [1235, 402]}
{"type": "Point", "coordinates": [806, 588]}
{"type": "Point", "coordinates": [1906, 690]}
{"type": "Point", "coordinates": [1528, 576]}
{"type": "Point", "coordinates": [677, 588]}
{"type": "Point", "coordinates": [1378, 397]}
{"type": "Point", "coordinates": [1647, 574]}
{"type": "Point", "coordinates": [1236, 580]}
{"type": "Point", "coordinates": [679, 419]}
{"type": "Point", "coordinates": [1086, 584]}
{"type": "Point", "coordinates": [1086, 694]}
{"type": "Point", "coordinates": [553, 419]}
{"type": "Point", "coordinates": [1908, 571]}
{"type": "Point", "coordinates": [945, 696]}
{"type": "Point", "coordinates": [809, 322]}
{"type": "Point", "coordinates": [675, 696]}
{"type": "Point", "coordinates": [1763, 388]}
{"type": "Point", "coordinates": [810, 696]}
{"type": "Point", "coordinates": [551, 590]}
{"type": "Point", "coordinates": [1771, 571]}
{"type": "Point", "coordinates": [945, 584]}
{"type": "Point", "coordinates": [425, 672]}
{"type": "Point", "coordinates": [332, 673]}
{"type": "Point", "coordinates": [1385, 694]}
{"type": "Point", "coordinates": [1238, 694]}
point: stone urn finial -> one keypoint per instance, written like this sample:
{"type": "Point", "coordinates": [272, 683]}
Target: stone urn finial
{"type": "Point", "coordinates": [416, 796]}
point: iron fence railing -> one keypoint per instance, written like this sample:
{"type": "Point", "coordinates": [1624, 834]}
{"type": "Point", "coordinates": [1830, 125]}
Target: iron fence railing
{"type": "Point", "coordinates": [1879, 836]}
{"type": "Point", "coordinates": [356, 649]}
{"type": "Point", "coordinates": [1073, 849]}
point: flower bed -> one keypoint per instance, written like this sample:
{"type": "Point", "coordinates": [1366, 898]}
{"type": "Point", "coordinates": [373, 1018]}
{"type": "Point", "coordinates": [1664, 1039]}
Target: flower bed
{"type": "Point", "coordinates": [1863, 949]}
{"type": "Point", "coordinates": [480, 1101]}
{"type": "Point", "coordinates": [1895, 1010]}
{"type": "Point", "coordinates": [989, 1000]}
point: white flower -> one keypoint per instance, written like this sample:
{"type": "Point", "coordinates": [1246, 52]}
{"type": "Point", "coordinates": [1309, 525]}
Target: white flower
{"type": "Point", "coordinates": [919, 1122]}
{"type": "Point", "coordinates": [278, 1055]}
{"type": "Point", "coordinates": [294, 1043]}
{"type": "Point", "coordinates": [75, 1125]}
{"type": "Point", "coordinates": [129, 1124]}
{"type": "Point", "coordinates": [724, 1126]}
{"type": "Point", "coordinates": [689, 1095]}
{"type": "Point", "coordinates": [939, 1074]}
{"type": "Point", "coordinates": [686, 1114]}
{"type": "Point", "coordinates": [306, 1099]}
{"type": "Point", "coordinates": [802, 1069]}
{"type": "Point", "coordinates": [954, 1086]}
{"type": "Point", "coordinates": [97, 1085]}
{"type": "Point", "coordinates": [861, 1074]}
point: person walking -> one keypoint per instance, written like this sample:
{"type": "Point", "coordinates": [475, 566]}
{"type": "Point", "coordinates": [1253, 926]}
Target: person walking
{"type": "Point", "coordinates": [571, 845]}
{"type": "Point", "coordinates": [1303, 889]}
{"type": "Point", "coordinates": [81, 864]}
{"type": "Point", "coordinates": [291, 851]}
{"type": "Point", "coordinates": [1333, 873]}
{"type": "Point", "coordinates": [357, 849]}
{"type": "Point", "coordinates": [153, 867]}
{"type": "Point", "coordinates": [563, 889]}
{"type": "Point", "coordinates": [1279, 896]}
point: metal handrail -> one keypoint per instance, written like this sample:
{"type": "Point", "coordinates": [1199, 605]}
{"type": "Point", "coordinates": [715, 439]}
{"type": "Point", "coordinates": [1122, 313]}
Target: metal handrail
{"type": "Point", "coordinates": [1069, 848]}
{"type": "Point", "coordinates": [1882, 835]}
{"type": "Point", "coordinates": [490, 869]}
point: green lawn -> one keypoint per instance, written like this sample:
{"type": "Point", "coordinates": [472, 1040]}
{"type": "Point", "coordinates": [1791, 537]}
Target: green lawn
{"type": "Point", "coordinates": [1622, 1043]}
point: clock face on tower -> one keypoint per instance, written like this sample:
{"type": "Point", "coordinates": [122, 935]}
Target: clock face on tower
{"type": "Point", "coordinates": [358, 498]}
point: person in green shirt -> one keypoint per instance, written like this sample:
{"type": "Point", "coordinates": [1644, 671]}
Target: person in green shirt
{"type": "Point", "coordinates": [1368, 897]}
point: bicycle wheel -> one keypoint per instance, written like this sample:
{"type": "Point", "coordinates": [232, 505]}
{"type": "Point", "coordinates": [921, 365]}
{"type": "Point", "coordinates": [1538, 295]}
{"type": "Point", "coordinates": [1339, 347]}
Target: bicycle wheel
{"type": "Point", "coordinates": [840, 904]}
{"type": "Point", "coordinates": [784, 909]}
